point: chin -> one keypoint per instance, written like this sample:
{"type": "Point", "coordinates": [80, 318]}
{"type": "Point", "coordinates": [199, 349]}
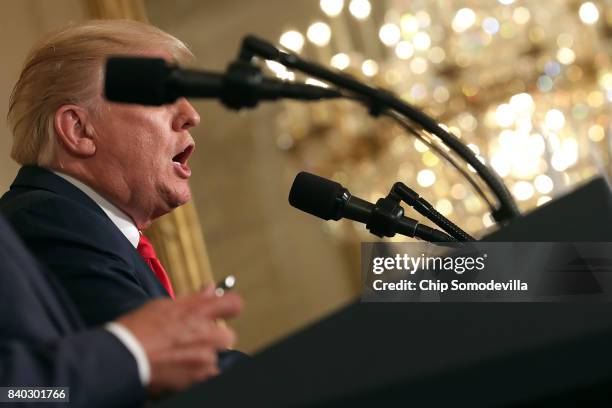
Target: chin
{"type": "Point", "coordinates": [178, 203]}
{"type": "Point", "coordinates": [180, 199]}
{"type": "Point", "coordinates": [169, 205]}
{"type": "Point", "coordinates": [172, 196]}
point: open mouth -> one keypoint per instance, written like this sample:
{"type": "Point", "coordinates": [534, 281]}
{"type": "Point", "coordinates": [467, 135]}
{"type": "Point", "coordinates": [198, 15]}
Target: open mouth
{"type": "Point", "coordinates": [183, 156]}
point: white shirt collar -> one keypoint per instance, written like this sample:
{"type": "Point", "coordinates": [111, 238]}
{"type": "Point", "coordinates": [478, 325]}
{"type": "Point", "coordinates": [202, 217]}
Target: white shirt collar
{"type": "Point", "coordinates": [118, 217]}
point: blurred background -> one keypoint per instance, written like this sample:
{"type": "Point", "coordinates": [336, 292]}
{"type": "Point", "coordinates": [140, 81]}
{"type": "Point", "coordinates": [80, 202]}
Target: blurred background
{"type": "Point", "coordinates": [526, 84]}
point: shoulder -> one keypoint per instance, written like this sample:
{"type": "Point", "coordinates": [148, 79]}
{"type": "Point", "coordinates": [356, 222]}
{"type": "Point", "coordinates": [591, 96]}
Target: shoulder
{"type": "Point", "coordinates": [39, 210]}
{"type": "Point", "coordinates": [19, 200]}
{"type": "Point", "coordinates": [50, 224]}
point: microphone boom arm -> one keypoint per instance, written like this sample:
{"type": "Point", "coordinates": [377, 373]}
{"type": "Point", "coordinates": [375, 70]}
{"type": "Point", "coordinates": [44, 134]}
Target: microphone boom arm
{"type": "Point", "coordinates": [379, 100]}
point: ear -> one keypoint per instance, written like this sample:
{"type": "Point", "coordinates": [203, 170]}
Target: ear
{"type": "Point", "coordinates": [74, 131]}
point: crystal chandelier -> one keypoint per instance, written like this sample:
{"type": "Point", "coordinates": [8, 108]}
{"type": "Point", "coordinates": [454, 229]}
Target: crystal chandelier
{"type": "Point", "coordinates": [526, 85]}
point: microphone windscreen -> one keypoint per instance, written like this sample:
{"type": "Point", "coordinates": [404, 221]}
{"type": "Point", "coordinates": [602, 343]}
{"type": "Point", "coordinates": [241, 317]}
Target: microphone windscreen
{"type": "Point", "coordinates": [136, 80]}
{"type": "Point", "coordinates": [316, 195]}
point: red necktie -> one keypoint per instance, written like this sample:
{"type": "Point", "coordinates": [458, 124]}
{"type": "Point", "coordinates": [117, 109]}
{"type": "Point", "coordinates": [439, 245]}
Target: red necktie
{"type": "Point", "coordinates": [145, 249]}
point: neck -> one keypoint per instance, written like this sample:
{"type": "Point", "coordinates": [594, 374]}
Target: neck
{"type": "Point", "coordinates": [113, 190]}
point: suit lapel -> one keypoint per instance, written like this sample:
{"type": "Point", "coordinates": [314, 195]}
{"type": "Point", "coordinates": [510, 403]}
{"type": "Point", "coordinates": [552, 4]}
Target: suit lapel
{"type": "Point", "coordinates": [34, 177]}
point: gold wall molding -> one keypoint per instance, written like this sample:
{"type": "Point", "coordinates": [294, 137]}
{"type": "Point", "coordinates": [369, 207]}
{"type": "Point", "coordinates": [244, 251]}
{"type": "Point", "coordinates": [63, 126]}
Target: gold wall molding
{"type": "Point", "coordinates": [117, 9]}
{"type": "Point", "coordinates": [177, 236]}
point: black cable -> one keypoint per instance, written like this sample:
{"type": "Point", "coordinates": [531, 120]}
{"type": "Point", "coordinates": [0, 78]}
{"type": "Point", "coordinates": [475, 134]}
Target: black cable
{"type": "Point", "coordinates": [432, 235]}
{"type": "Point", "coordinates": [423, 207]}
{"type": "Point", "coordinates": [465, 173]}
{"type": "Point", "coordinates": [420, 204]}
{"type": "Point", "coordinates": [438, 149]}
{"type": "Point", "coordinates": [378, 101]}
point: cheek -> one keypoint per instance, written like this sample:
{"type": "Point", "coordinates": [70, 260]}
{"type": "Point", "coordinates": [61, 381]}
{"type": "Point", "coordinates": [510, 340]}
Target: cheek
{"type": "Point", "coordinates": [141, 148]}
{"type": "Point", "coordinates": [138, 143]}
{"type": "Point", "coordinates": [153, 142]}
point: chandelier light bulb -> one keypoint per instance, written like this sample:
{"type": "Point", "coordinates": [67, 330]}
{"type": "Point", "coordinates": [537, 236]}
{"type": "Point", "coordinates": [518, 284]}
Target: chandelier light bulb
{"type": "Point", "coordinates": [588, 12]}
{"type": "Point", "coordinates": [464, 19]}
{"type": "Point", "coordinates": [332, 8]}
{"type": "Point", "coordinates": [292, 40]}
{"type": "Point", "coordinates": [360, 9]}
{"type": "Point", "coordinates": [319, 34]}
{"type": "Point", "coordinates": [389, 34]}
{"type": "Point", "coordinates": [340, 61]}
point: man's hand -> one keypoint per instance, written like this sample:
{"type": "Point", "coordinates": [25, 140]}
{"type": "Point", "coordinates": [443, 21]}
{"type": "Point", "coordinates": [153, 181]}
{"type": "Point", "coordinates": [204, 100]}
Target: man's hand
{"type": "Point", "coordinates": [181, 338]}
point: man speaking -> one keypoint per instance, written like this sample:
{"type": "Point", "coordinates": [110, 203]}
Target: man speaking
{"type": "Point", "coordinates": [95, 174]}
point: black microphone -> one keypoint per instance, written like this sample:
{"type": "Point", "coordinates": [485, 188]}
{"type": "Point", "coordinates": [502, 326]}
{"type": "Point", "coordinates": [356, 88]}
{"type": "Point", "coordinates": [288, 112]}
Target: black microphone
{"type": "Point", "coordinates": [329, 200]}
{"type": "Point", "coordinates": [152, 81]}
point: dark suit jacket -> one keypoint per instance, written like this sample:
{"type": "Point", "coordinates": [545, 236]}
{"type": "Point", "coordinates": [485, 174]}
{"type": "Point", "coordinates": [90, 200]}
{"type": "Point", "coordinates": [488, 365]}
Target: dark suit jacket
{"type": "Point", "coordinates": [77, 242]}
{"type": "Point", "coordinates": [43, 341]}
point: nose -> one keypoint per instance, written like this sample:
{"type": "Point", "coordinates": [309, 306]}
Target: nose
{"type": "Point", "coordinates": [186, 116]}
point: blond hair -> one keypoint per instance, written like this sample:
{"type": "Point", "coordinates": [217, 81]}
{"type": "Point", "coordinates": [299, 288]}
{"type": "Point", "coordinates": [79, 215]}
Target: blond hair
{"type": "Point", "coordinates": [66, 68]}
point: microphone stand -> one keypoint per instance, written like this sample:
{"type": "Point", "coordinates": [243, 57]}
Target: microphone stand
{"type": "Point", "coordinates": [440, 151]}
{"type": "Point", "coordinates": [400, 191]}
{"type": "Point", "coordinates": [380, 101]}
{"type": "Point", "coordinates": [387, 219]}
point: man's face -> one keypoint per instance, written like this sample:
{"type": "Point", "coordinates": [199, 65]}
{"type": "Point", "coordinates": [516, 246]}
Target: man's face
{"type": "Point", "coordinates": [142, 154]}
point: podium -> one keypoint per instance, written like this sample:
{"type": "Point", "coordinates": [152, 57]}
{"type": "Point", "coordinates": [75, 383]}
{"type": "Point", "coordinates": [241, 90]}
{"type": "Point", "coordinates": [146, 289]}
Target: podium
{"type": "Point", "coordinates": [443, 354]}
